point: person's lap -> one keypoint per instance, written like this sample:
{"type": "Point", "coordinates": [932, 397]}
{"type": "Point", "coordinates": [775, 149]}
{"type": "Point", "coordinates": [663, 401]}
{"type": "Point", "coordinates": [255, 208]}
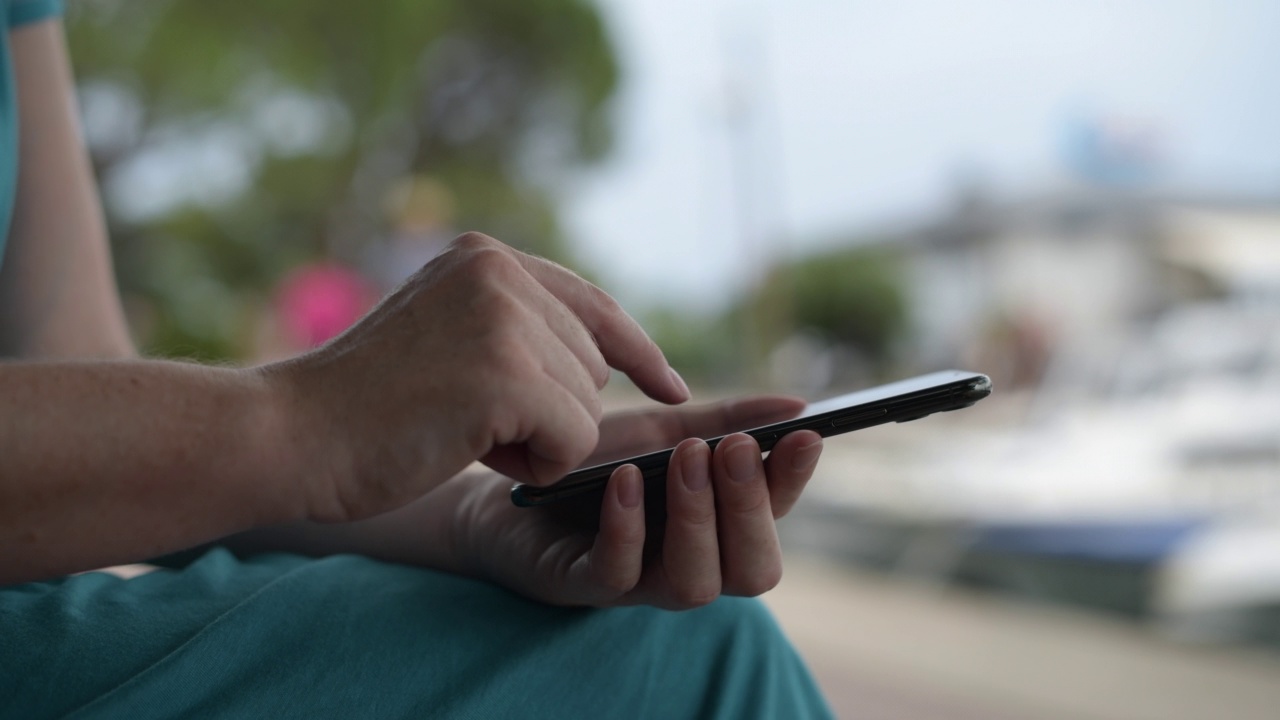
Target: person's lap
{"type": "Point", "coordinates": [346, 636]}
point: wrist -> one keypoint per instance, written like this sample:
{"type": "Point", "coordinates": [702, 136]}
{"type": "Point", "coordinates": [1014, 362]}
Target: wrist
{"type": "Point", "coordinates": [476, 500]}
{"type": "Point", "coordinates": [292, 447]}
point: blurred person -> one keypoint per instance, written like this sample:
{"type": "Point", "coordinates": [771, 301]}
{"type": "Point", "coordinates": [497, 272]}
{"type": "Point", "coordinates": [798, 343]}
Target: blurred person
{"type": "Point", "coordinates": [371, 568]}
{"type": "Point", "coordinates": [420, 210]}
{"type": "Point", "coordinates": [1016, 345]}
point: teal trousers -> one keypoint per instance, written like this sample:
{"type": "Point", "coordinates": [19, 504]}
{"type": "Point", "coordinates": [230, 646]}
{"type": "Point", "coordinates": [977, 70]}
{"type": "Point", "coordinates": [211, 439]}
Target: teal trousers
{"type": "Point", "coordinates": [280, 636]}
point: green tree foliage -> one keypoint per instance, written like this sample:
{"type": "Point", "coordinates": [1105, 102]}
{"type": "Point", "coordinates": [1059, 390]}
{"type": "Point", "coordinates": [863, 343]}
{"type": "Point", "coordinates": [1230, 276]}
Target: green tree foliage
{"type": "Point", "coordinates": [316, 110]}
{"type": "Point", "coordinates": [852, 299]}
{"type": "Point", "coordinates": [703, 348]}
{"type": "Point", "coordinates": [847, 297]}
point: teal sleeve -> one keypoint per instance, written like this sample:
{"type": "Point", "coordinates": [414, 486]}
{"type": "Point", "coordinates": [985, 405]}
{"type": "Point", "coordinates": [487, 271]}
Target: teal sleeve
{"type": "Point", "coordinates": [22, 12]}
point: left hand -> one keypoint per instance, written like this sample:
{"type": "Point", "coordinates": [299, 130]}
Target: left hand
{"type": "Point", "coordinates": [719, 538]}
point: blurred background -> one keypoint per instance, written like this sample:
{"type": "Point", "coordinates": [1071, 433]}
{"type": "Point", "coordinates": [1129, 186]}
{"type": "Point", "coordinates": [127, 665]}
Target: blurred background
{"type": "Point", "coordinates": [1081, 199]}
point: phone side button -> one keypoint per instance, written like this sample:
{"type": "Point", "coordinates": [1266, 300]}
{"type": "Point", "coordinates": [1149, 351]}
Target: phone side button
{"type": "Point", "coordinates": [860, 417]}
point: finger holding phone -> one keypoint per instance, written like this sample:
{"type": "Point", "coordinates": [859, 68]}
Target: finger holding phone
{"type": "Point", "coordinates": [719, 537]}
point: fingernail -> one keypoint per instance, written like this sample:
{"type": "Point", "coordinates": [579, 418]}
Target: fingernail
{"type": "Point", "coordinates": [741, 461]}
{"type": "Point", "coordinates": [806, 456]}
{"type": "Point", "coordinates": [693, 468]}
{"type": "Point", "coordinates": [680, 383]}
{"type": "Point", "coordinates": [629, 488]}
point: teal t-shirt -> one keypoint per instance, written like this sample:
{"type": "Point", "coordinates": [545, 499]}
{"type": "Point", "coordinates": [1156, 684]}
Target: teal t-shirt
{"type": "Point", "coordinates": [16, 13]}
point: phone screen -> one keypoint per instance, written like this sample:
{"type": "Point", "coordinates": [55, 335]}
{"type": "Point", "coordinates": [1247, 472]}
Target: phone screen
{"type": "Point", "coordinates": [900, 401]}
{"type": "Point", "coordinates": [872, 397]}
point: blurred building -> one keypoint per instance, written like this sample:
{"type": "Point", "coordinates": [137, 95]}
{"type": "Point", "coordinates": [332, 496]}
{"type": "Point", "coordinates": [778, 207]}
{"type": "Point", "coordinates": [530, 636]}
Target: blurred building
{"type": "Point", "coordinates": [1143, 473]}
{"type": "Point", "coordinates": [1004, 285]}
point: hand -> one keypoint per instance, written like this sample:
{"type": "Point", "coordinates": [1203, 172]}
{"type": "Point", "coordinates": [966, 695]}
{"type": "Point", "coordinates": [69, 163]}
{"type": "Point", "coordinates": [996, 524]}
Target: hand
{"type": "Point", "coordinates": [719, 538]}
{"type": "Point", "coordinates": [486, 353]}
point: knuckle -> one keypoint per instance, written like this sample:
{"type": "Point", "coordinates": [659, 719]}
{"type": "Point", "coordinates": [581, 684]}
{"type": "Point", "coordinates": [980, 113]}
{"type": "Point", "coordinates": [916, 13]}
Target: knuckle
{"type": "Point", "coordinates": [607, 311]}
{"type": "Point", "coordinates": [472, 240]}
{"type": "Point", "coordinates": [752, 502]}
{"type": "Point", "coordinates": [544, 473]}
{"type": "Point", "coordinates": [616, 583]}
{"type": "Point", "coordinates": [508, 352]}
{"type": "Point", "coordinates": [595, 408]}
{"type": "Point", "coordinates": [695, 515]}
{"type": "Point", "coordinates": [603, 301]}
{"type": "Point", "coordinates": [598, 369]}
{"type": "Point", "coordinates": [627, 540]}
{"type": "Point", "coordinates": [501, 322]}
{"type": "Point", "coordinates": [560, 457]}
{"type": "Point", "coordinates": [696, 596]}
{"type": "Point", "coordinates": [589, 397]}
{"type": "Point", "coordinates": [584, 443]}
{"type": "Point", "coordinates": [759, 582]}
{"type": "Point", "coordinates": [503, 313]}
{"type": "Point", "coordinates": [494, 266]}
{"type": "Point", "coordinates": [490, 265]}
{"type": "Point", "coordinates": [500, 379]}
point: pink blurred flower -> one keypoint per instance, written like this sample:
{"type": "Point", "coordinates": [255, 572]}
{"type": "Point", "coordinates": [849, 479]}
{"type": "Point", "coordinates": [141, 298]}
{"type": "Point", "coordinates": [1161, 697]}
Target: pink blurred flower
{"type": "Point", "coordinates": [316, 303]}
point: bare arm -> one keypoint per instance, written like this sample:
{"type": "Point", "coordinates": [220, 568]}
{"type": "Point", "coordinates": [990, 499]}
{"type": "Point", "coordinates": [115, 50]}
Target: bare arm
{"type": "Point", "coordinates": [58, 298]}
{"type": "Point", "coordinates": [102, 462]}
{"type": "Point", "coordinates": [485, 354]}
{"type": "Point", "coordinates": [112, 462]}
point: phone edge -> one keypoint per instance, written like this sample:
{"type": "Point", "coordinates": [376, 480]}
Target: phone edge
{"type": "Point", "coordinates": [960, 393]}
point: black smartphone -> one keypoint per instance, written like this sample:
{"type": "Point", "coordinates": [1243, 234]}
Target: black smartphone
{"type": "Point", "coordinates": [900, 401]}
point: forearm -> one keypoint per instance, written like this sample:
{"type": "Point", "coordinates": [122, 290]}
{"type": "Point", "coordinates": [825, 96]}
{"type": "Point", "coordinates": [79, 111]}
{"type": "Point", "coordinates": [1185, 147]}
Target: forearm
{"type": "Point", "coordinates": [58, 298]}
{"type": "Point", "coordinates": [112, 462]}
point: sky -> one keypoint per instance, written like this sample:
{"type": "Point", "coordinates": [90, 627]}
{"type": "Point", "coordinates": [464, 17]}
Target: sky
{"type": "Point", "coordinates": [750, 130]}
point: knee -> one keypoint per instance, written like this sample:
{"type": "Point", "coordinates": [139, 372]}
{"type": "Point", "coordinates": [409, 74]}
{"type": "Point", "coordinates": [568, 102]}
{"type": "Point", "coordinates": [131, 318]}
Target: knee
{"type": "Point", "coordinates": [752, 668]}
{"type": "Point", "coordinates": [744, 624]}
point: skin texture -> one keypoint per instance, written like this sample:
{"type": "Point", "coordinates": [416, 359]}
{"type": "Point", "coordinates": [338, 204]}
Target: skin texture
{"type": "Point", "coordinates": [360, 446]}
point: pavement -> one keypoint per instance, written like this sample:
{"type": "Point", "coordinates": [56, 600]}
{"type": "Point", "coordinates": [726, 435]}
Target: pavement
{"type": "Point", "coordinates": [887, 648]}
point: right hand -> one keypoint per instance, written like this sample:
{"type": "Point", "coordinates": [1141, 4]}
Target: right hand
{"type": "Point", "coordinates": [485, 353]}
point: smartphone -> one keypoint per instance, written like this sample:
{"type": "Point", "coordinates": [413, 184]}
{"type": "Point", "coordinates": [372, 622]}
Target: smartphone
{"type": "Point", "coordinates": [900, 401]}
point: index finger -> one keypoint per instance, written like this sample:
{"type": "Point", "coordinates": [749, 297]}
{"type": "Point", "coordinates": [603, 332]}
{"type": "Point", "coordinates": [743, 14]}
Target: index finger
{"type": "Point", "coordinates": [621, 340]}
